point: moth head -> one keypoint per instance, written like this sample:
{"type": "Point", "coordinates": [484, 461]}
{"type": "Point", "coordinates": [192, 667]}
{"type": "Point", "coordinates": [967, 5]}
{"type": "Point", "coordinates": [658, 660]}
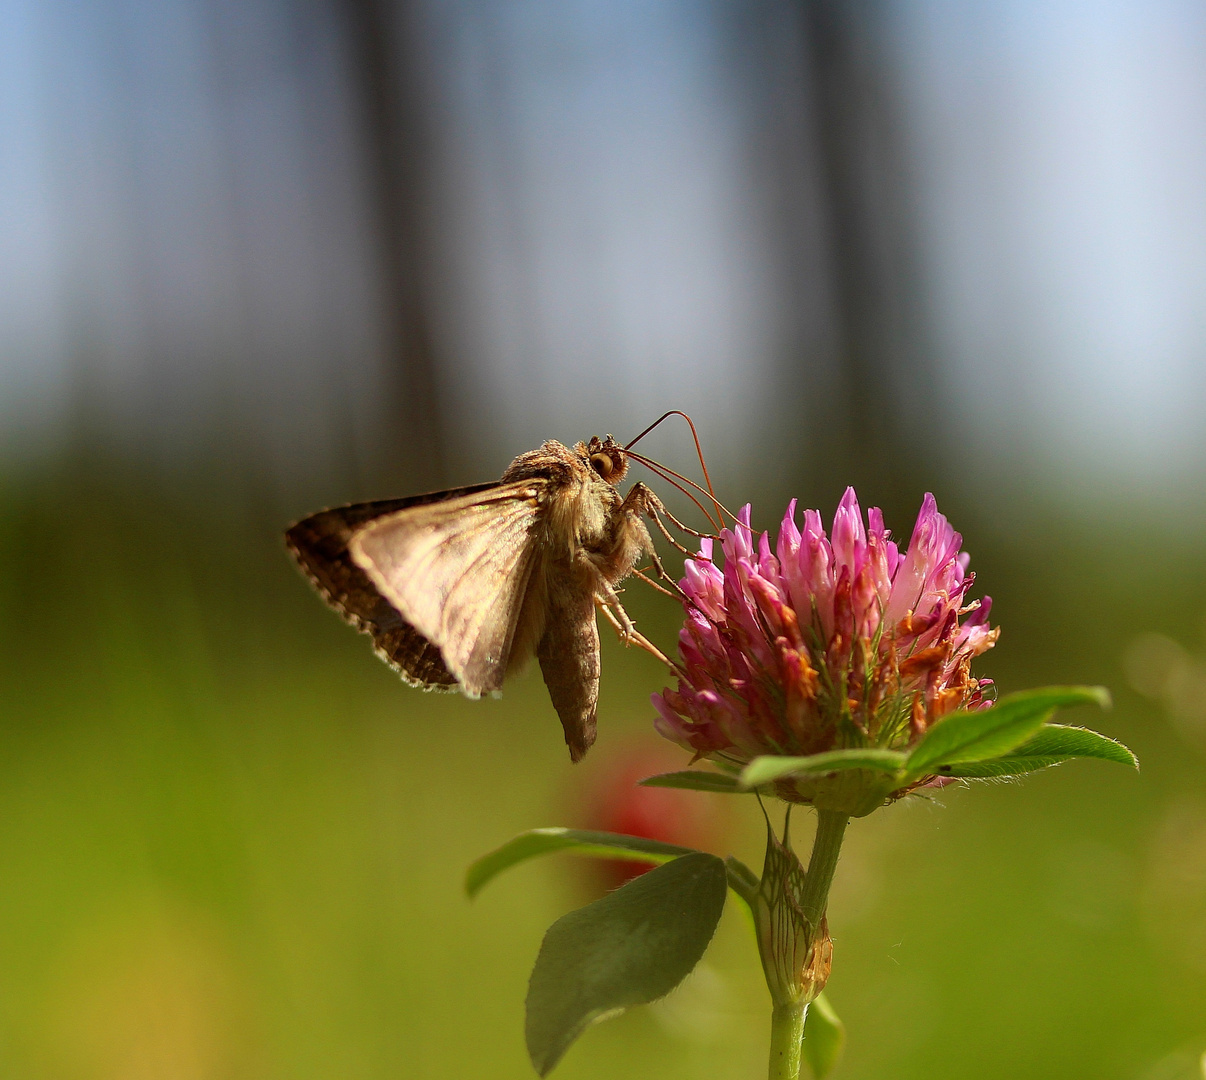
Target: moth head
{"type": "Point", "coordinates": [606, 458]}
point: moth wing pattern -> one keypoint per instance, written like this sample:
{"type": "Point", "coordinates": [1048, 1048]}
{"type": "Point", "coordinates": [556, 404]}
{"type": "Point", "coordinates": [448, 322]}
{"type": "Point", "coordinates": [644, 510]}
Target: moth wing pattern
{"type": "Point", "coordinates": [458, 571]}
{"type": "Point", "coordinates": [319, 543]}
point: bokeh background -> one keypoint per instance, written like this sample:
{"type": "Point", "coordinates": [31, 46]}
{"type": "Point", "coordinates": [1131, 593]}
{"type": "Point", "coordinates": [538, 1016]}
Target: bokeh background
{"type": "Point", "coordinates": [258, 258]}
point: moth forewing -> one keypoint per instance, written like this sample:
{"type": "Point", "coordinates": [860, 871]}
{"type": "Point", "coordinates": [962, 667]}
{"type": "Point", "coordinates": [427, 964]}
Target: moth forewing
{"type": "Point", "coordinates": [319, 544]}
{"type": "Point", "coordinates": [458, 572]}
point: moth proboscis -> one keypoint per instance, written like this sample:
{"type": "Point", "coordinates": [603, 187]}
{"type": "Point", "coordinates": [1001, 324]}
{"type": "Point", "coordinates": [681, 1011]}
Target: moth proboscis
{"type": "Point", "coordinates": [460, 588]}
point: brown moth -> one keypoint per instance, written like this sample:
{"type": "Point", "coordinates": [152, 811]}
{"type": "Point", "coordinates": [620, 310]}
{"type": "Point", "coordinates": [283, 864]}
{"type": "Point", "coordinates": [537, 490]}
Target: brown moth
{"type": "Point", "coordinates": [459, 588]}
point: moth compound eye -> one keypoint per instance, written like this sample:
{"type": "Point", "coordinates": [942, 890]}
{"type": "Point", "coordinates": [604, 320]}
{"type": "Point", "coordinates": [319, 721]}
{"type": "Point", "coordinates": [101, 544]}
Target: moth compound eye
{"type": "Point", "coordinates": [602, 464]}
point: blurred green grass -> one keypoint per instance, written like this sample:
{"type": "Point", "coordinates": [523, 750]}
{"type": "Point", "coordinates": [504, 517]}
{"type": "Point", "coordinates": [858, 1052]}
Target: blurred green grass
{"type": "Point", "coordinates": [232, 842]}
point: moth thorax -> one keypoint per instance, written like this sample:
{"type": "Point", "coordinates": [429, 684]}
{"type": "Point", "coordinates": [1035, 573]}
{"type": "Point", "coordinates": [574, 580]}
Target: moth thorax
{"type": "Point", "coordinates": [606, 457]}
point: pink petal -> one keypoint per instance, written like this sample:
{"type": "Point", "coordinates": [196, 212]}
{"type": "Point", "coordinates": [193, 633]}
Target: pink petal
{"type": "Point", "coordinates": [849, 536]}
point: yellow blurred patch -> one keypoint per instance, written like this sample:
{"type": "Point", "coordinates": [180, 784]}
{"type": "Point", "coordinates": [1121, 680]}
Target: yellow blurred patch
{"type": "Point", "coordinates": [148, 992]}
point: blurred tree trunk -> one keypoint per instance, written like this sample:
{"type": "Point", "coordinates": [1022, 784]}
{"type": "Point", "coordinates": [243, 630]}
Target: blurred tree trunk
{"type": "Point", "coordinates": [384, 56]}
{"type": "Point", "coordinates": [869, 215]}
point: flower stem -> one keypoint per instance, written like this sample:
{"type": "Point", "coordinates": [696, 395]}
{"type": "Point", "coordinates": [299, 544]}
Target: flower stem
{"type": "Point", "coordinates": [826, 846]}
{"type": "Point", "coordinates": [787, 1037]}
{"type": "Point", "coordinates": [787, 943]}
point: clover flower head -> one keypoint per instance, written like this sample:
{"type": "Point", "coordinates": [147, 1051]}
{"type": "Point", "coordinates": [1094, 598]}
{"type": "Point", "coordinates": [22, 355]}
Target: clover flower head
{"type": "Point", "coordinates": [825, 642]}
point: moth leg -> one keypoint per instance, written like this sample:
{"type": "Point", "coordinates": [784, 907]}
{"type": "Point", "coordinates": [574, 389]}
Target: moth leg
{"type": "Point", "coordinates": [642, 501]}
{"type": "Point", "coordinates": [621, 632]}
{"type": "Point", "coordinates": [629, 634]}
{"type": "Point", "coordinates": [653, 650]}
{"type": "Point", "coordinates": [658, 568]}
{"type": "Point", "coordinates": [609, 603]}
{"type": "Point", "coordinates": [652, 511]}
{"type": "Point", "coordinates": [679, 525]}
{"type": "Point", "coordinates": [674, 591]}
{"type": "Point", "coordinates": [654, 585]}
{"type": "Point", "coordinates": [639, 498]}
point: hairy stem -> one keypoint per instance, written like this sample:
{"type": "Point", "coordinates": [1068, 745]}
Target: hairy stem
{"type": "Point", "coordinates": [787, 1037]}
{"type": "Point", "coordinates": [827, 845]}
{"type": "Point", "coordinates": [791, 931]}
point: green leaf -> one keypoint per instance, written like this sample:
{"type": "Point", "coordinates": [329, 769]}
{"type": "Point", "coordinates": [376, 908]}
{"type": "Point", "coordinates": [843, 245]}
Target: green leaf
{"type": "Point", "coordinates": [995, 731]}
{"type": "Point", "coordinates": [824, 1037]}
{"type": "Point", "coordinates": [1068, 742]}
{"type": "Point", "coordinates": [632, 947]}
{"type": "Point", "coordinates": [762, 770]}
{"type": "Point", "coordinates": [695, 780]}
{"type": "Point", "coordinates": [600, 845]}
{"type": "Point", "coordinates": [1054, 743]}
{"type": "Point", "coordinates": [580, 841]}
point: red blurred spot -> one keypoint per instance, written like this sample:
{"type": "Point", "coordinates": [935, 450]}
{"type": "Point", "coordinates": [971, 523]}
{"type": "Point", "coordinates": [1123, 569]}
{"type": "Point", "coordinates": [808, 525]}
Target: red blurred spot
{"type": "Point", "coordinates": [615, 803]}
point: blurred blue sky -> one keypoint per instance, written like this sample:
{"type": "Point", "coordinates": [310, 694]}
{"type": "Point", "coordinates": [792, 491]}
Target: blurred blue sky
{"type": "Point", "coordinates": [1062, 155]}
{"type": "Point", "coordinates": [621, 217]}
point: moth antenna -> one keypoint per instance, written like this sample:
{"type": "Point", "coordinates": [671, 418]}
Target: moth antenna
{"type": "Point", "coordinates": [667, 473]}
{"type": "Point", "coordinates": [698, 448]}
